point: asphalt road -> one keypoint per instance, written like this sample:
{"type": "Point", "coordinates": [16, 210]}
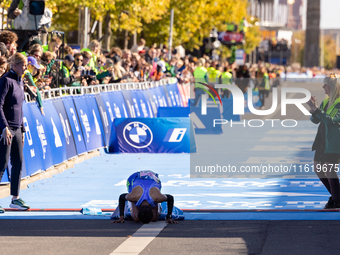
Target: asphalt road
{"type": "Point", "coordinates": [72, 237]}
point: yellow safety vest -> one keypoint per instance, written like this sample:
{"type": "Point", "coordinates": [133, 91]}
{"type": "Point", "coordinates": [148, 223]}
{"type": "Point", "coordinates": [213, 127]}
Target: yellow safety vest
{"type": "Point", "coordinates": [199, 74]}
{"type": "Point", "coordinates": [226, 78]}
{"type": "Point", "coordinates": [211, 74]}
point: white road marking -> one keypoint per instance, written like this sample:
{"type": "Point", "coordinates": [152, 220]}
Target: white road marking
{"type": "Point", "coordinates": [140, 239]}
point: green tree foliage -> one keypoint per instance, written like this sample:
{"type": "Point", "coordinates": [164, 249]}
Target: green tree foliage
{"type": "Point", "coordinates": [298, 47]}
{"type": "Point", "coordinates": [193, 18]}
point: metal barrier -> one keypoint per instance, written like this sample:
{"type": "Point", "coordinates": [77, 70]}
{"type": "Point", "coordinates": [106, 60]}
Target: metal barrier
{"type": "Point", "coordinates": [94, 89]}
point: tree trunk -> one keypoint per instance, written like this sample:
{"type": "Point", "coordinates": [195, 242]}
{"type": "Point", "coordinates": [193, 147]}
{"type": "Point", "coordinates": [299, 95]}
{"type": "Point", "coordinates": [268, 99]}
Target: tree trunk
{"type": "Point", "coordinates": [126, 41]}
{"type": "Point", "coordinates": [108, 32]}
{"type": "Point", "coordinates": [312, 45]}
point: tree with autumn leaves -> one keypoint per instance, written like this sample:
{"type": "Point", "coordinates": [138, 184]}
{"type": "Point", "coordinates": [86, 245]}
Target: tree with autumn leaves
{"type": "Point", "coordinates": [151, 18]}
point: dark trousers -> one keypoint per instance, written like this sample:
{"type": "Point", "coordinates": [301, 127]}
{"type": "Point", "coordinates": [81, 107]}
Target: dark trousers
{"type": "Point", "coordinates": [15, 151]}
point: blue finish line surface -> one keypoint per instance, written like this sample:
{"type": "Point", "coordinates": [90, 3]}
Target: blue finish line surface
{"type": "Point", "coordinates": [98, 182]}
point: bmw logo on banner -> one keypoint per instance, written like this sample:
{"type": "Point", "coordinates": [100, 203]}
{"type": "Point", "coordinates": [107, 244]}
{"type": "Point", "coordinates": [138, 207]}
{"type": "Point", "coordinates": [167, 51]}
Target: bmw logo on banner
{"type": "Point", "coordinates": [137, 134]}
{"type": "Point", "coordinates": [151, 135]}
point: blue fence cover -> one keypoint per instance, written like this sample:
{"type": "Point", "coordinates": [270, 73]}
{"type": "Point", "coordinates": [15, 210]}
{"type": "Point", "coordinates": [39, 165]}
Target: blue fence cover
{"type": "Point", "coordinates": [153, 135]}
{"type": "Point", "coordinates": [71, 150]}
{"type": "Point", "coordinates": [92, 130]}
{"type": "Point", "coordinates": [55, 138]}
{"type": "Point", "coordinates": [33, 149]}
{"type": "Point", "coordinates": [75, 124]}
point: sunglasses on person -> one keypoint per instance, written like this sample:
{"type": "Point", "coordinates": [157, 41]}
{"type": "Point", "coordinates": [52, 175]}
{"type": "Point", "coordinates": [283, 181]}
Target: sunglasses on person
{"type": "Point", "coordinates": [99, 61]}
{"type": "Point", "coordinates": [37, 56]}
{"type": "Point", "coordinates": [79, 59]}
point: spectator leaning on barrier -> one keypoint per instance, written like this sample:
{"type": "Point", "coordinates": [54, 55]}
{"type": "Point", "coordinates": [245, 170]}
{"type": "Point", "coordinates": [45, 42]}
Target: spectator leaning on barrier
{"type": "Point", "coordinates": [69, 78]}
{"type": "Point", "coordinates": [94, 49]}
{"type": "Point", "coordinates": [12, 126]}
{"type": "Point", "coordinates": [9, 39]}
{"type": "Point", "coordinates": [30, 76]}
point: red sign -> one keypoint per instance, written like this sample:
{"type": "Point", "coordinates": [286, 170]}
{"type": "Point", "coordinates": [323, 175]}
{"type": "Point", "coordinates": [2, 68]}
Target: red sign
{"type": "Point", "coordinates": [230, 37]}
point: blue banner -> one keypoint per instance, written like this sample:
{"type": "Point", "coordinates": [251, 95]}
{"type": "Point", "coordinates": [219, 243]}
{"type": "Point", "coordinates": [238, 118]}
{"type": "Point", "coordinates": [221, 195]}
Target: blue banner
{"type": "Point", "coordinates": [173, 112]}
{"type": "Point", "coordinates": [161, 97]}
{"type": "Point", "coordinates": [75, 124]}
{"type": "Point", "coordinates": [152, 101]}
{"type": "Point", "coordinates": [256, 100]}
{"type": "Point", "coordinates": [204, 124]}
{"type": "Point", "coordinates": [33, 149]}
{"type": "Point", "coordinates": [174, 95]}
{"type": "Point", "coordinates": [93, 107]}
{"type": "Point", "coordinates": [5, 177]}
{"type": "Point", "coordinates": [142, 108]}
{"type": "Point", "coordinates": [38, 123]}
{"type": "Point", "coordinates": [56, 137]}
{"type": "Point", "coordinates": [118, 105]}
{"type": "Point", "coordinates": [105, 116]}
{"type": "Point", "coordinates": [227, 107]}
{"type": "Point", "coordinates": [90, 122]}
{"type": "Point", "coordinates": [153, 135]}
{"type": "Point", "coordinates": [129, 103]}
{"type": "Point", "coordinates": [71, 150]}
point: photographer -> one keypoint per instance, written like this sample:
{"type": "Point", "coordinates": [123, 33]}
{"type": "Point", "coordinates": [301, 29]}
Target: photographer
{"type": "Point", "coordinates": [69, 78]}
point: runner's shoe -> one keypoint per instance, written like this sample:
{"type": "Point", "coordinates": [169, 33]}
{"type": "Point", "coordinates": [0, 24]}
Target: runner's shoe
{"type": "Point", "coordinates": [2, 210]}
{"type": "Point", "coordinates": [19, 204]}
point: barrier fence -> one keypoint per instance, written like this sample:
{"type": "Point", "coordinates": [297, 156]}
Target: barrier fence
{"type": "Point", "coordinates": [78, 120]}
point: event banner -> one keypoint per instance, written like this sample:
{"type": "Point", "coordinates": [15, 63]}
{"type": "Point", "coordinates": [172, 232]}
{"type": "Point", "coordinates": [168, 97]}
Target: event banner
{"type": "Point", "coordinates": [152, 135]}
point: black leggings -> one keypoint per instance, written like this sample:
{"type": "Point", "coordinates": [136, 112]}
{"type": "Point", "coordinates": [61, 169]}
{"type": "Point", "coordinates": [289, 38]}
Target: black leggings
{"type": "Point", "coordinates": [15, 150]}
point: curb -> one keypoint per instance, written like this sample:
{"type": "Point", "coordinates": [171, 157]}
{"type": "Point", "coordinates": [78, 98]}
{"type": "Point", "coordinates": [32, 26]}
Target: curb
{"type": "Point", "coordinates": [5, 189]}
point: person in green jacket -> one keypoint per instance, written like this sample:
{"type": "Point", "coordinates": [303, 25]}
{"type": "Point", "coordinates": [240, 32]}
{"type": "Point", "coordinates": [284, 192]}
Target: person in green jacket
{"type": "Point", "coordinates": [32, 70]}
{"type": "Point", "coordinates": [327, 141]}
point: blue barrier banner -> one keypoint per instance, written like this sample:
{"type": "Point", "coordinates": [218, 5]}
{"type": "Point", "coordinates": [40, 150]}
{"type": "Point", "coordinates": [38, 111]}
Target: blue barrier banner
{"type": "Point", "coordinates": [119, 107]}
{"type": "Point", "coordinates": [174, 94]}
{"type": "Point", "coordinates": [173, 112]}
{"type": "Point", "coordinates": [160, 93]}
{"type": "Point", "coordinates": [5, 177]}
{"type": "Point", "coordinates": [129, 103]}
{"type": "Point", "coordinates": [105, 117]}
{"type": "Point", "coordinates": [110, 115]}
{"type": "Point", "coordinates": [142, 108]}
{"type": "Point", "coordinates": [38, 123]}
{"type": "Point", "coordinates": [153, 135]}
{"type": "Point", "coordinates": [71, 150]}
{"type": "Point", "coordinates": [227, 108]}
{"type": "Point", "coordinates": [75, 124]}
{"type": "Point", "coordinates": [204, 124]}
{"type": "Point", "coordinates": [256, 100]}
{"type": "Point", "coordinates": [93, 107]}
{"type": "Point", "coordinates": [56, 137]}
{"type": "Point", "coordinates": [152, 100]}
{"type": "Point", "coordinates": [33, 149]}
{"type": "Point", "coordinates": [91, 124]}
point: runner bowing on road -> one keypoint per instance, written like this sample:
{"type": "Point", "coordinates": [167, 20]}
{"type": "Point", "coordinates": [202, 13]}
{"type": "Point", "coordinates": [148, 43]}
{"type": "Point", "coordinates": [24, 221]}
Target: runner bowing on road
{"type": "Point", "coordinates": [144, 194]}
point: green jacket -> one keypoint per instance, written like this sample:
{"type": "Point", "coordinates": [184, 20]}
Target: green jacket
{"type": "Point", "coordinates": [31, 82]}
{"type": "Point", "coordinates": [331, 120]}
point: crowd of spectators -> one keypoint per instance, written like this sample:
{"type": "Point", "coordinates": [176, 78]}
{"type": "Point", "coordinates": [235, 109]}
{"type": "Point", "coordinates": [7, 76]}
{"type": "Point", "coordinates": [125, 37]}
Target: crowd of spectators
{"type": "Point", "coordinates": [90, 66]}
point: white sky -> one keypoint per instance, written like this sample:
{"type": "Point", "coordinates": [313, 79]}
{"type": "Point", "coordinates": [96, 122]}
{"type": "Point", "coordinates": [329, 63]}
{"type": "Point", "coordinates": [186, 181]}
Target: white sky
{"type": "Point", "coordinates": [330, 14]}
